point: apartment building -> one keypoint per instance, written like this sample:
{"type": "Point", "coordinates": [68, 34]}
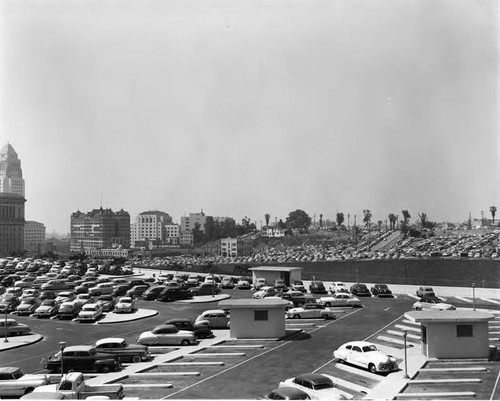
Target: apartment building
{"type": "Point", "coordinates": [34, 237]}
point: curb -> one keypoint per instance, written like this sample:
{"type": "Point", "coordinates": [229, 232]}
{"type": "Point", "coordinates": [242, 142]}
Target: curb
{"type": "Point", "coordinates": [154, 313]}
{"type": "Point", "coordinates": [20, 344]}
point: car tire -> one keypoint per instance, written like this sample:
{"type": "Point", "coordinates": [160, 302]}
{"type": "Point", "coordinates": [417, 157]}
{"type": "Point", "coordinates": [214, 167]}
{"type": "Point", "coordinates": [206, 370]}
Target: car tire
{"type": "Point", "coordinates": [296, 316]}
{"type": "Point", "coordinates": [136, 359]}
{"type": "Point", "coordinates": [185, 342]}
{"type": "Point", "coordinates": [371, 368]}
{"type": "Point", "coordinates": [326, 317]}
{"type": "Point", "coordinates": [104, 369]}
{"type": "Point", "coordinates": [327, 304]}
{"type": "Point", "coordinates": [28, 390]}
{"type": "Point", "coordinates": [342, 361]}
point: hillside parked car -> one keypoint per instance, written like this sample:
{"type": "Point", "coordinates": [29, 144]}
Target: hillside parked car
{"type": "Point", "coordinates": [90, 313]}
{"type": "Point", "coordinates": [360, 290]}
{"type": "Point", "coordinates": [47, 308]}
{"type": "Point", "coordinates": [310, 311]}
{"type": "Point", "coordinates": [317, 287]}
{"type": "Point", "coordinates": [365, 355]}
{"type": "Point", "coordinates": [125, 305]}
{"type": "Point", "coordinates": [107, 302]}
{"type": "Point", "coordinates": [381, 291]}
{"type": "Point", "coordinates": [167, 334]}
{"type": "Point", "coordinates": [432, 303]}
{"type": "Point", "coordinates": [82, 358]}
{"type": "Point", "coordinates": [341, 299]}
{"type": "Point", "coordinates": [425, 292]}
{"type": "Point", "coordinates": [317, 386]}
{"type": "Point", "coordinates": [119, 347]}
{"type": "Point", "coordinates": [13, 328]}
{"type": "Point", "coordinates": [14, 383]}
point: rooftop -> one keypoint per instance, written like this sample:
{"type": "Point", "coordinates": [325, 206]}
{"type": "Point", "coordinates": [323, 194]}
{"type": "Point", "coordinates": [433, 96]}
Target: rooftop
{"type": "Point", "coordinates": [448, 316]}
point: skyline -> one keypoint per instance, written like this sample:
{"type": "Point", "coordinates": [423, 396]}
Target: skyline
{"type": "Point", "coordinates": [252, 108]}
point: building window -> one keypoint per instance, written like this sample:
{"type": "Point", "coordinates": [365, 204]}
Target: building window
{"type": "Point", "coordinates": [464, 330]}
{"type": "Point", "coordinates": [260, 315]}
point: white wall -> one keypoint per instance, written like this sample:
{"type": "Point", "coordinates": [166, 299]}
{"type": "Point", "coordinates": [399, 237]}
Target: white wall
{"type": "Point", "coordinates": [243, 324]}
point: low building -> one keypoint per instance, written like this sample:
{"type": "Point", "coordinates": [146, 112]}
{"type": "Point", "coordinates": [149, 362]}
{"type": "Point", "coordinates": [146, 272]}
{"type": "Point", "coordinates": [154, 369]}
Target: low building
{"type": "Point", "coordinates": [34, 237]}
{"type": "Point", "coordinates": [229, 247]}
{"type": "Point", "coordinates": [256, 318]}
{"type": "Point", "coordinates": [453, 334]}
{"type": "Point", "coordinates": [272, 273]}
{"type": "Point", "coordinates": [11, 224]}
{"type": "Point", "coordinates": [273, 232]}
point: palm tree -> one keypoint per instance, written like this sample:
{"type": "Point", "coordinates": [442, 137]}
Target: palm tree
{"type": "Point", "coordinates": [267, 216]}
{"type": "Point", "coordinates": [392, 220]}
{"type": "Point", "coordinates": [367, 217]}
{"type": "Point", "coordinates": [493, 210]}
{"type": "Point", "coordinates": [321, 220]}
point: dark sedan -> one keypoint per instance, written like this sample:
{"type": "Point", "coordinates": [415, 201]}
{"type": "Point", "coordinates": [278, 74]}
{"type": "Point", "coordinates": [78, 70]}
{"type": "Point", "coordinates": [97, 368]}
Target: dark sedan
{"type": "Point", "coordinates": [200, 330]}
{"type": "Point", "coordinates": [381, 290]}
{"type": "Point", "coordinates": [119, 347]}
{"type": "Point", "coordinates": [360, 290]}
{"type": "Point", "coordinates": [82, 358]}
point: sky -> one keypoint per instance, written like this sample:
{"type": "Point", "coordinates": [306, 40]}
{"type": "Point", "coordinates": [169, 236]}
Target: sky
{"type": "Point", "coordinates": [242, 108]}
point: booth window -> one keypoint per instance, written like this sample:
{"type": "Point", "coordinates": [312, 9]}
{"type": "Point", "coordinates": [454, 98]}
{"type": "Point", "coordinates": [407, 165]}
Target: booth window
{"type": "Point", "coordinates": [260, 315]}
{"type": "Point", "coordinates": [464, 330]}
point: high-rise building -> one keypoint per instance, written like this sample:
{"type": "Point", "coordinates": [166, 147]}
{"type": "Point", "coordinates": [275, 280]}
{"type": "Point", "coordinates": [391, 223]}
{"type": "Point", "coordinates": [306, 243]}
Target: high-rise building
{"type": "Point", "coordinates": [149, 228]}
{"type": "Point", "coordinates": [34, 237]}
{"type": "Point", "coordinates": [11, 202]}
{"type": "Point", "coordinates": [189, 222]}
{"type": "Point", "coordinates": [11, 224]}
{"type": "Point", "coordinates": [99, 229]}
{"type": "Point", "coordinates": [11, 175]}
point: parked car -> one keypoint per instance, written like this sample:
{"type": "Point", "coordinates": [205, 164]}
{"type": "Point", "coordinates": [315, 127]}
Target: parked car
{"type": "Point", "coordinates": [153, 292]}
{"type": "Point", "coordinates": [125, 305]}
{"type": "Point", "coordinates": [279, 285]}
{"type": "Point", "coordinates": [200, 330]}
{"type": "Point", "coordinates": [360, 290]}
{"type": "Point", "coordinates": [167, 334]}
{"type": "Point", "coordinates": [381, 290]}
{"type": "Point", "coordinates": [243, 285]}
{"type": "Point", "coordinates": [311, 311]}
{"type": "Point", "coordinates": [14, 383]}
{"type": "Point", "coordinates": [90, 313]}
{"type": "Point", "coordinates": [205, 289]}
{"type": "Point", "coordinates": [259, 282]}
{"type": "Point", "coordinates": [174, 293]}
{"type": "Point", "coordinates": [83, 358]}
{"type": "Point", "coordinates": [120, 290]}
{"type": "Point", "coordinates": [227, 283]}
{"type": "Point", "coordinates": [296, 297]}
{"type": "Point", "coordinates": [48, 294]}
{"type": "Point", "coordinates": [216, 318]}
{"type": "Point", "coordinates": [425, 292]}
{"type": "Point", "coordinates": [339, 286]}
{"type": "Point", "coordinates": [287, 393]}
{"type": "Point", "coordinates": [27, 306]}
{"type": "Point", "coordinates": [264, 291]}
{"type": "Point", "coordinates": [83, 299]}
{"type": "Point", "coordinates": [119, 347]}
{"type": "Point", "coordinates": [8, 303]}
{"type": "Point", "coordinates": [13, 328]}
{"type": "Point", "coordinates": [68, 310]}
{"type": "Point", "coordinates": [298, 285]}
{"type": "Point", "coordinates": [317, 287]}
{"type": "Point", "coordinates": [102, 289]}
{"type": "Point", "coordinates": [107, 302]}
{"type": "Point", "coordinates": [366, 355]}
{"type": "Point", "coordinates": [341, 299]}
{"type": "Point", "coordinates": [47, 308]}
{"type": "Point", "coordinates": [317, 386]}
{"type": "Point", "coordinates": [134, 282]}
{"type": "Point", "coordinates": [136, 291]}
{"type": "Point", "coordinates": [430, 302]}
{"type": "Point", "coordinates": [65, 296]}
{"type": "Point", "coordinates": [30, 292]}
{"type": "Point", "coordinates": [58, 285]}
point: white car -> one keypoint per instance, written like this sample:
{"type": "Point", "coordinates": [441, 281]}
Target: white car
{"type": "Point", "coordinates": [339, 287]}
{"type": "Point", "coordinates": [125, 305]}
{"type": "Point", "coordinates": [317, 386]}
{"type": "Point", "coordinates": [310, 311]}
{"type": "Point", "coordinates": [432, 303]}
{"type": "Point", "coordinates": [90, 313]}
{"type": "Point", "coordinates": [216, 318]}
{"type": "Point", "coordinates": [167, 334]}
{"type": "Point", "coordinates": [365, 355]}
{"type": "Point", "coordinates": [264, 291]}
{"type": "Point", "coordinates": [341, 299]}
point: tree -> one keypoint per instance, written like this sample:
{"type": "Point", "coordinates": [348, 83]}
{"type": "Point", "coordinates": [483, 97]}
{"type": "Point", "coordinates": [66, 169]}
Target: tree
{"type": "Point", "coordinates": [197, 234]}
{"type": "Point", "coordinates": [423, 219]}
{"type": "Point", "coordinates": [367, 217]}
{"type": "Point", "coordinates": [281, 225]}
{"type": "Point", "coordinates": [493, 211]}
{"type": "Point", "coordinates": [392, 220]}
{"type": "Point", "coordinates": [298, 219]}
{"type": "Point", "coordinates": [405, 222]}
{"type": "Point", "coordinates": [267, 216]}
{"type": "Point", "coordinates": [321, 220]}
{"type": "Point", "coordinates": [340, 218]}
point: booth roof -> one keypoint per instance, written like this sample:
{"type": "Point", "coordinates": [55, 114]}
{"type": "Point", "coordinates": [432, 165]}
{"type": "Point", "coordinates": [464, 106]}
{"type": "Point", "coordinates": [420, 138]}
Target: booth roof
{"type": "Point", "coordinates": [253, 303]}
{"type": "Point", "coordinates": [449, 316]}
{"type": "Point", "coordinates": [275, 268]}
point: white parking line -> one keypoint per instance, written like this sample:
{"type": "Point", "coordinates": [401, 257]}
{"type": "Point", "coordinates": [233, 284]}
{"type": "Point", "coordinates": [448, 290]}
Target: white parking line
{"type": "Point", "coordinates": [348, 384]}
{"type": "Point", "coordinates": [491, 301]}
{"type": "Point", "coordinates": [400, 334]}
{"type": "Point", "coordinates": [414, 296]}
{"type": "Point", "coordinates": [467, 300]}
{"type": "Point", "coordinates": [409, 328]}
{"type": "Point", "coordinates": [358, 371]}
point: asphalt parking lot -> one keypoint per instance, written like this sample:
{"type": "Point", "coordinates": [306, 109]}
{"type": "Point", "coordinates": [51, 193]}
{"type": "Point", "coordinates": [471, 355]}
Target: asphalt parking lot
{"type": "Point", "coordinates": [222, 367]}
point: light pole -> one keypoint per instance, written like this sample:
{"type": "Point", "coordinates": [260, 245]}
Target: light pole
{"type": "Point", "coordinates": [405, 333]}
{"type": "Point", "coordinates": [62, 345]}
{"type": "Point", "coordinates": [474, 295]}
{"type": "Point", "coordinates": [213, 283]}
{"type": "Point", "coordinates": [6, 340]}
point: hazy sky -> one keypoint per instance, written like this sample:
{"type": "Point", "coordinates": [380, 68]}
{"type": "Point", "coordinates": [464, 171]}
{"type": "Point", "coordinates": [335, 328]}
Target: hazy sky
{"type": "Point", "coordinates": [247, 107]}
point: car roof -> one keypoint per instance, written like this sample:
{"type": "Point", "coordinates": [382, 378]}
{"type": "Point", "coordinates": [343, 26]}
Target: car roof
{"type": "Point", "coordinates": [289, 392]}
{"type": "Point", "coordinates": [315, 378]}
{"type": "Point", "coordinates": [178, 320]}
{"type": "Point", "coordinates": [78, 348]}
{"type": "Point", "coordinates": [213, 311]}
{"type": "Point", "coordinates": [109, 340]}
{"type": "Point", "coordinates": [358, 343]}
{"type": "Point", "coordinates": [9, 369]}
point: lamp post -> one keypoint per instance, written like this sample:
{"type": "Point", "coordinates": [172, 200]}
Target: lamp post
{"type": "Point", "coordinates": [6, 340]}
{"type": "Point", "coordinates": [474, 295]}
{"type": "Point", "coordinates": [62, 345]}
{"type": "Point", "coordinates": [213, 283]}
{"type": "Point", "coordinates": [405, 333]}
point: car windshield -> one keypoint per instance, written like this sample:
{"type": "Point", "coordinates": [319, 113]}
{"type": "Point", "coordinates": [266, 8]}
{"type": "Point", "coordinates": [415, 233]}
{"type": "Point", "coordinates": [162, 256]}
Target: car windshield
{"type": "Point", "coordinates": [48, 302]}
{"type": "Point", "coordinates": [369, 348]}
{"type": "Point", "coordinates": [322, 386]}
